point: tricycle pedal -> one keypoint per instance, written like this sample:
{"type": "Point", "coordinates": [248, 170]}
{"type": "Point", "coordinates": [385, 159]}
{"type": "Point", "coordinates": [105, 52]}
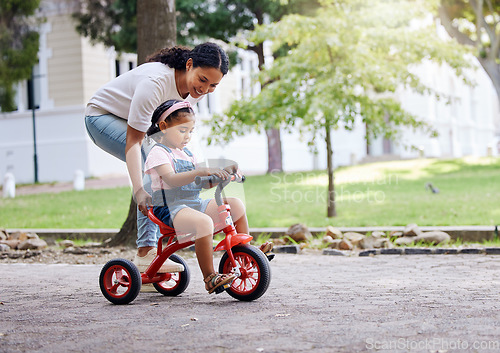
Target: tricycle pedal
{"type": "Point", "coordinates": [270, 256]}
{"type": "Point", "coordinates": [222, 288]}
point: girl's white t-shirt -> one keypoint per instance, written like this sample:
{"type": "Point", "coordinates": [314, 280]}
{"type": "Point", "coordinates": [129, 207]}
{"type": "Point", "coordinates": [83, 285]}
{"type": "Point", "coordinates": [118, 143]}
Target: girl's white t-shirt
{"type": "Point", "coordinates": [136, 94]}
{"type": "Point", "coordinates": [160, 156]}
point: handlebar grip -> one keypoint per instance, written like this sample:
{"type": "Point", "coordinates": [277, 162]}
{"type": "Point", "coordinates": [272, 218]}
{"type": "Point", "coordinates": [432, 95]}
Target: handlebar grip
{"type": "Point", "coordinates": [204, 180]}
{"type": "Point", "coordinates": [214, 179]}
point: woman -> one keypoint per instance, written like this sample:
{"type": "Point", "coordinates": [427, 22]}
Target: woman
{"type": "Point", "coordinates": [119, 114]}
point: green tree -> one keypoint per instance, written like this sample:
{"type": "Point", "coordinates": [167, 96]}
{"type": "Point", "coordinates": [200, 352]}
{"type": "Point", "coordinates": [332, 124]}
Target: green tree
{"type": "Point", "coordinates": [476, 23]}
{"type": "Point", "coordinates": [343, 64]}
{"type": "Point", "coordinates": [111, 22]}
{"type": "Point", "coordinates": [18, 46]}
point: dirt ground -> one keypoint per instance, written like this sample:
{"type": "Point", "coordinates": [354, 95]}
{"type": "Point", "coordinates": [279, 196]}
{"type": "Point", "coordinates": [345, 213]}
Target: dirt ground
{"type": "Point", "coordinates": [315, 303]}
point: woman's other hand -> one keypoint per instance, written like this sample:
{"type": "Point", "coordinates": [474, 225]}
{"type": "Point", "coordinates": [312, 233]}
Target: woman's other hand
{"type": "Point", "coordinates": [143, 200]}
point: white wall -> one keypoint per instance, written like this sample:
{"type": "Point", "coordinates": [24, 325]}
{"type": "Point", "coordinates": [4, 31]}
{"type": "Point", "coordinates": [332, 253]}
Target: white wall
{"type": "Point", "coordinates": [63, 147]}
{"type": "Point", "coordinates": [465, 126]}
{"type": "Point", "coordinates": [59, 139]}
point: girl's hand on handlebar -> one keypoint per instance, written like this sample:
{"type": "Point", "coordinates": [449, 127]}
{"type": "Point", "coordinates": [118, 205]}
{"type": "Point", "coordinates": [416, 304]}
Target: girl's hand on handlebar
{"type": "Point", "coordinates": [232, 169]}
{"type": "Point", "coordinates": [221, 173]}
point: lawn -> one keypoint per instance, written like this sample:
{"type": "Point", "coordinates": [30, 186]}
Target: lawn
{"type": "Point", "coordinates": [378, 194]}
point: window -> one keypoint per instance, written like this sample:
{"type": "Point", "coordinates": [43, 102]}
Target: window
{"type": "Point", "coordinates": [117, 68]}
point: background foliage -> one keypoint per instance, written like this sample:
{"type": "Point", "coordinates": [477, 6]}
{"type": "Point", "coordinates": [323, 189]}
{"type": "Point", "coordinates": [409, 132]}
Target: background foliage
{"type": "Point", "coordinates": [18, 46]}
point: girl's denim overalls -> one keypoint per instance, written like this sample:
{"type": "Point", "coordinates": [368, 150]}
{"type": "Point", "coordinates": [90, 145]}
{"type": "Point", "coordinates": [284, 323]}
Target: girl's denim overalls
{"type": "Point", "coordinates": [167, 202]}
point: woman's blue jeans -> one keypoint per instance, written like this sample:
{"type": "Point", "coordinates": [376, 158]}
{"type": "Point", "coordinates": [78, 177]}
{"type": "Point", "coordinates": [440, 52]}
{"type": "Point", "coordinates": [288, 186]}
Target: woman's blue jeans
{"type": "Point", "coordinates": [109, 133]}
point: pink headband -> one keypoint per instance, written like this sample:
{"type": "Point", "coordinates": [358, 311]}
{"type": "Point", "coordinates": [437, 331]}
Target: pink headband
{"type": "Point", "coordinates": [176, 107]}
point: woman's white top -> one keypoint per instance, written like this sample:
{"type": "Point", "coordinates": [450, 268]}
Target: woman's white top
{"type": "Point", "coordinates": [136, 94]}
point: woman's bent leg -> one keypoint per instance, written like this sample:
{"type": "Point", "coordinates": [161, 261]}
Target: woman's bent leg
{"type": "Point", "coordinates": [109, 133]}
{"type": "Point", "coordinates": [148, 232]}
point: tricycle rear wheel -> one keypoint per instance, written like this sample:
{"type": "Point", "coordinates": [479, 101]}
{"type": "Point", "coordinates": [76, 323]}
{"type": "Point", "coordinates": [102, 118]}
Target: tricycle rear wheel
{"type": "Point", "coordinates": [120, 281]}
{"type": "Point", "coordinates": [255, 272]}
{"type": "Point", "coordinates": [178, 281]}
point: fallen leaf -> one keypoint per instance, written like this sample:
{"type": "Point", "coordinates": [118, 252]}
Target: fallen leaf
{"type": "Point", "coordinates": [194, 319]}
{"type": "Point", "coordinates": [154, 304]}
{"type": "Point", "coordinates": [282, 315]}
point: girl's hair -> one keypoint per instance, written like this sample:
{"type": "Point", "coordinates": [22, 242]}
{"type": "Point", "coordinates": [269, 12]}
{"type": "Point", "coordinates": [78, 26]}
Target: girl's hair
{"type": "Point", "coordinates": [203, 55]}
{"type": "Point", "coordinates": [162, 108]}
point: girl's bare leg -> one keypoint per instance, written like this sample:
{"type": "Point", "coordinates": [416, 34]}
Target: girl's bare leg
{"type": "Point", "coordinates": [238, 212]}
{"type": "Point", "coordinates": [188, 220]}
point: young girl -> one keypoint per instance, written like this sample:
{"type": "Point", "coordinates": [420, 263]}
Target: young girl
{"type": "Point", "coordinates": [176, 198]}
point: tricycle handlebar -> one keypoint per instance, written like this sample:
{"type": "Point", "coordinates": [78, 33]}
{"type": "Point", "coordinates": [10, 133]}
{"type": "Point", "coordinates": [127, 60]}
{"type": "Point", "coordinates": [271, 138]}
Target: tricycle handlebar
{"type": "Point", "coordinates": [214, 179]}
{"type": "Point", "coordinates": [221, 184]}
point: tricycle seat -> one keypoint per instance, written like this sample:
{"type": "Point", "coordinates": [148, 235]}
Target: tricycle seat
{"type": "Point", "coordinates": [164, 229]}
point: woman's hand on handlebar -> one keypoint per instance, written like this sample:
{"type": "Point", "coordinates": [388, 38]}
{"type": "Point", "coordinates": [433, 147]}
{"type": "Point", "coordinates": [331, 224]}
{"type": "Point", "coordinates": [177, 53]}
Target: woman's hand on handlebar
{"type": "Point", "coordinates": [143, 200]}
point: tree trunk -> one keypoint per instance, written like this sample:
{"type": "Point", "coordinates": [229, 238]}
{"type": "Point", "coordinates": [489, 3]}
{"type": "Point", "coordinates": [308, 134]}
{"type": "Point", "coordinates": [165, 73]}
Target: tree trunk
{"type": "Point", "coordinates": [274, 162]}
{"type": "Point", "coordinates": [489, 63]}
{"type": "Point", "coordinates": [128, 233]}
{"type": "Point", "coordinates": [274, 153]}
{"type": "Point", "coordinates": [156, 26]}
{"type": "Point", "coordinates": [331, 212]}
{"type": "Point", "coordinates": [492, 68]}
{"type": "Point", "coordinates": [156, 29]}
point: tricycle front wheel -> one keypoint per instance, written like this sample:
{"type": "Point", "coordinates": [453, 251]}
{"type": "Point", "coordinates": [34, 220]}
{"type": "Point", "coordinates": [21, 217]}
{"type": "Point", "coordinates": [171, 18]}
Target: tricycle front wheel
{"type": "Point", "coordinates": [255, 272]}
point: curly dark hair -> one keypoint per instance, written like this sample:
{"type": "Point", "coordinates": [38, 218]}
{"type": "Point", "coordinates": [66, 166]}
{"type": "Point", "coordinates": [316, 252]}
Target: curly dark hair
{"type": "Point", "coordinates": [154, 128]}
{"type": "Point", "coordinates": [203, 55]}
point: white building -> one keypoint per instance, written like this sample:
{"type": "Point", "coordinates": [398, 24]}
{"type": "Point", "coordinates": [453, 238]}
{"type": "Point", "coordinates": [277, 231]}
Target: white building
{"type": "Point", "coordinates": [70, 70]}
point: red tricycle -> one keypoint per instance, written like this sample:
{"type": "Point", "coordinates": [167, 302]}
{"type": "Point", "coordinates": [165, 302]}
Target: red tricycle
{"type": "Point", "coordinates": [121, 281]}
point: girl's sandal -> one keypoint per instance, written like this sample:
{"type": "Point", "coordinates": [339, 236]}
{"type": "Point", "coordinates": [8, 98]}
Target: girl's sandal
{"type": "Point", "coordinates": [267, 249]}
{"type": "Point", "coordinates": [216, 282]}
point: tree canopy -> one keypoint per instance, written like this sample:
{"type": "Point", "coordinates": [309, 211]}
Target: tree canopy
{"type": "Point", "coordinates": [344, 63]}
{"type": "Point", "coordinates": [18, 46]}
{"type": "Point", "coordinates": [476, 23]}
{"type": "Point", "coordinates": [111, 22]}
{"type": "Point", "coordinates": [114, 22]}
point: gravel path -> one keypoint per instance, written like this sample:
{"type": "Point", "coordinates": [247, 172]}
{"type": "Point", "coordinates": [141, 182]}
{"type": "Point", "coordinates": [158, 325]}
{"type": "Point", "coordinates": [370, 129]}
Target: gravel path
{"type": "Point", "coordinates": [314, 304]}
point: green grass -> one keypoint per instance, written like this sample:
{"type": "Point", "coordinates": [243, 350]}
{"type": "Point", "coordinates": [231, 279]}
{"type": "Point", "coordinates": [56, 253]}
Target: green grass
{"type": "Point", "coordinates": [106, 208]}
{"type": "Point", "coordinates": [382, 194]}
{"type": "Point", "coordinates": [378, 194]}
